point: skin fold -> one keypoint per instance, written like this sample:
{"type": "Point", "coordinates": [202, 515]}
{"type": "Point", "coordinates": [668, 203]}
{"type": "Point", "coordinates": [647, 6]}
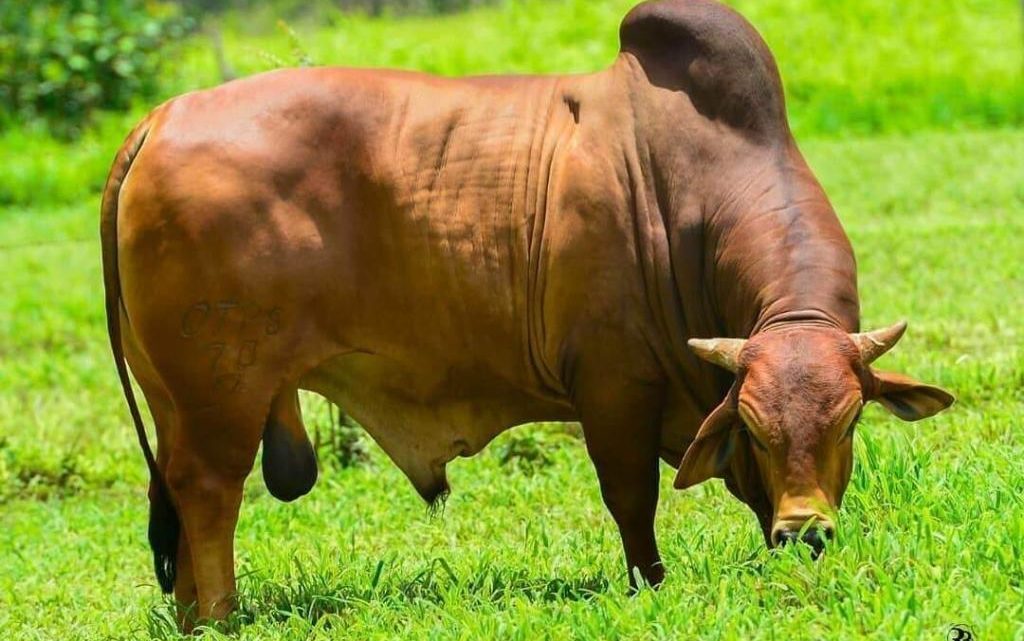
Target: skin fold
{"type": "Point", "coordinates": [448, 258]}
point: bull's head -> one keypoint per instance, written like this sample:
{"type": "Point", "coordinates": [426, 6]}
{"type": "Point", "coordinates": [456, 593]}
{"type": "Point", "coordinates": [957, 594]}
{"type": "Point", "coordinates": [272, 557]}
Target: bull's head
{"type": "Point", "coordinates": [783, 436]}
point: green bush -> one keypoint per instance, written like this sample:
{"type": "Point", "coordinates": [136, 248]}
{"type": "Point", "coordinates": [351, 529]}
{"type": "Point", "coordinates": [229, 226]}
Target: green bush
{"type": "Point", "coordinates": [379, 7]}
{"type": "Point", "coordinates": [294, 8]}
{"type": "Point", "coordinates": [60, 60]}
{"type": "Point", "coordinates": [339, 441]}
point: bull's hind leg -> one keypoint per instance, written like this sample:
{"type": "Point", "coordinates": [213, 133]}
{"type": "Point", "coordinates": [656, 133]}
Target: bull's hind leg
{"type": "Point", "coordinates": [185, 593]}
{"type": "Point", "coordinates": [164, 522]}
{"type": "Point", "coordinates": [211, 457]}
{"type": "Point", "coordinates": [213, 454]}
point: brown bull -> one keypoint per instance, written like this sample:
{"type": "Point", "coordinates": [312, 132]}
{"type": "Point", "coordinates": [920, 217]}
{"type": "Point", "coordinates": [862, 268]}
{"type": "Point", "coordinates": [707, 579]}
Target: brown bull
{"type": "Point", "coordinates": [447, 258]}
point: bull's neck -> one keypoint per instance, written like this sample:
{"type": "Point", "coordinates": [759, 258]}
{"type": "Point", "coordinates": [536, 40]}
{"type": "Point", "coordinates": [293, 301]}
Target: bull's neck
{"type": "Point", "coordinates": [780, 254]}
{"type": "Point", "coordinates": [751, 236]}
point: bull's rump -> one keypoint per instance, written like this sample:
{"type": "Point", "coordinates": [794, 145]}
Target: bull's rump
{"type": "Point", "coordinates": [363, 234]}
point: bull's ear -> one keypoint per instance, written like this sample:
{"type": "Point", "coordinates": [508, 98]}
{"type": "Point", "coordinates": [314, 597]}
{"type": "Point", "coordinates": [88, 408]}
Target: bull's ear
{"type": "Point", "coordinates": [907, 398]}
{"type": "Point", "coordinates": [710, 452]}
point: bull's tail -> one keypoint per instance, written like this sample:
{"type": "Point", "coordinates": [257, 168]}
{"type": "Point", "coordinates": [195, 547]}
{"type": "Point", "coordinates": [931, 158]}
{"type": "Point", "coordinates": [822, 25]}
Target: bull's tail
{"type": "Point", "coordinates": [164, 525]}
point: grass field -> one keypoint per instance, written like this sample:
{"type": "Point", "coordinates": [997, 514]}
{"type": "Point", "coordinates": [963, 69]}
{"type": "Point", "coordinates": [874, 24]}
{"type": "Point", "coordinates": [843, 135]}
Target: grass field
{"type": "Point", "coordinates": [932, 530]}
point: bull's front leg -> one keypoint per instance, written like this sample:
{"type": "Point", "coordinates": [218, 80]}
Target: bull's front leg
{"type": "Point", "coordinates": [621, 422]}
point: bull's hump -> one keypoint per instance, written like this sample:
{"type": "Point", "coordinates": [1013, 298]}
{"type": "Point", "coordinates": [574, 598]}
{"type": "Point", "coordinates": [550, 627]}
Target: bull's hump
{"type": "Point", "coordinates": [713, 54]}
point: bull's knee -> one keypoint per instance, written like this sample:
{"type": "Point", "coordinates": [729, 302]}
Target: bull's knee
{"type": "Point", "coordinates": [289, 461]}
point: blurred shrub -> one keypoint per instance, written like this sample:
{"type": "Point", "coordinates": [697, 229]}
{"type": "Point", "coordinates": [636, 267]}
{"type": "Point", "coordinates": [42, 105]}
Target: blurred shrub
{"type": "Point", "coordinates": [292, 8]}
{"type": "Point", "coordinates": [339, 441]}
{"type": "Point", "coordinates": [38, 474]}
{"type": "Point", "coordinates": [60, 60]}
{"type": "Point", "coordinates": [379, 7]}
{"type": "Point", "coordinates": [40, 168]}
{"type": "Point", "coordinates": [529, 449]}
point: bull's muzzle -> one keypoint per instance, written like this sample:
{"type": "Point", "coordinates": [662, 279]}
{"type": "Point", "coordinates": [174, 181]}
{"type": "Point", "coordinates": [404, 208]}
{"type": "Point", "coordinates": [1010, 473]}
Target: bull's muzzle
{"type": "Point", "coordinates": [814, 534]}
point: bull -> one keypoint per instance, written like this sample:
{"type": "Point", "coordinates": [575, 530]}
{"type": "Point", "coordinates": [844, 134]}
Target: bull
{"type": "Point", "coordinates": [642, 249]}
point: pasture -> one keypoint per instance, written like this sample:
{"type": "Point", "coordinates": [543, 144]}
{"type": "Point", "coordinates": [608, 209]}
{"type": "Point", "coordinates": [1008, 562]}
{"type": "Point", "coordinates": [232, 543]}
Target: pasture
{"type": "Point", "coordinates": [917, 140]}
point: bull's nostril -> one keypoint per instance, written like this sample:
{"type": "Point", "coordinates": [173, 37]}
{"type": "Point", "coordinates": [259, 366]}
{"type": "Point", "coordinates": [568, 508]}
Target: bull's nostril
{"type": "Point", "coordinates": [816, 537]}
{"type": "Point", "coordinates": [785, 537]}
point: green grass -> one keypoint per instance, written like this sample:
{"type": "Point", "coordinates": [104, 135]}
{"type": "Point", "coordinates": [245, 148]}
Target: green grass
{"type": "Point", "coordinates": [932, 531]}
{"type": "Point", "coordinates": [851, 67]}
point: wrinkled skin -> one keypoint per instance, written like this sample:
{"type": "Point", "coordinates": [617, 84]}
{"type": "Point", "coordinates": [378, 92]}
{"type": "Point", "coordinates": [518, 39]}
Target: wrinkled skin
{"type": "Point", "coordinates": [448, 258]}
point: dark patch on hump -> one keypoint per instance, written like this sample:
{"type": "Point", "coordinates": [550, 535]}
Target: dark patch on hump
{"type": "Point", "coordinates": [289, 462]}
{"type": "Point", "coordinates": [574, 107]}
{"type": "Point", "coordinates": [713, 54]}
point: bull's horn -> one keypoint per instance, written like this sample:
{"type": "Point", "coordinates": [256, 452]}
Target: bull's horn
{"type": "Point", "coordinates": [724, 352]}
{"type": "Point", "coordinates": [874, 344]}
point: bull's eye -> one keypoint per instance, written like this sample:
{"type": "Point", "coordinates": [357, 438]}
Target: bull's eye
{"type": "Point", "coordinates": [850, 428]}
{"type": "Point", "coordinates": [748, 419]}
{"type": "Point", "coordinates": [756, 441]}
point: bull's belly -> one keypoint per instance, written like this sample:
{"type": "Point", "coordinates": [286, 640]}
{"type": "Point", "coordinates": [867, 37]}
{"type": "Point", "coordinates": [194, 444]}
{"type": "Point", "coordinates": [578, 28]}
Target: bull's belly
{"type": "Point", "coordinates": [423, 416]}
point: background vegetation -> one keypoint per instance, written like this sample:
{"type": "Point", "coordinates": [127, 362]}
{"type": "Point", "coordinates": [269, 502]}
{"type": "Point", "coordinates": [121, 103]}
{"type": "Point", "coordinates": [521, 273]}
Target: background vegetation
{"type": "Point", "coordinates": [911, 115]}
{"type": "Point", "coordinates": [63, 60]}
{"type": "Point", "coordinates": [850, 68]}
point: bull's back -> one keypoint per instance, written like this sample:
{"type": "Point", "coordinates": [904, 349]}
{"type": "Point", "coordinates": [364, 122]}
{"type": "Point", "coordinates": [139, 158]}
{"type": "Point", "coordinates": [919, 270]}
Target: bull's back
{"type": "Point", "coordinates": [275, 222]}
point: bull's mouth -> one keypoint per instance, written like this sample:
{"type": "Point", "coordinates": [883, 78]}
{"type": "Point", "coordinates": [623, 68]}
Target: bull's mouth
{"type": "Point", "coordinates": [814, 533]}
